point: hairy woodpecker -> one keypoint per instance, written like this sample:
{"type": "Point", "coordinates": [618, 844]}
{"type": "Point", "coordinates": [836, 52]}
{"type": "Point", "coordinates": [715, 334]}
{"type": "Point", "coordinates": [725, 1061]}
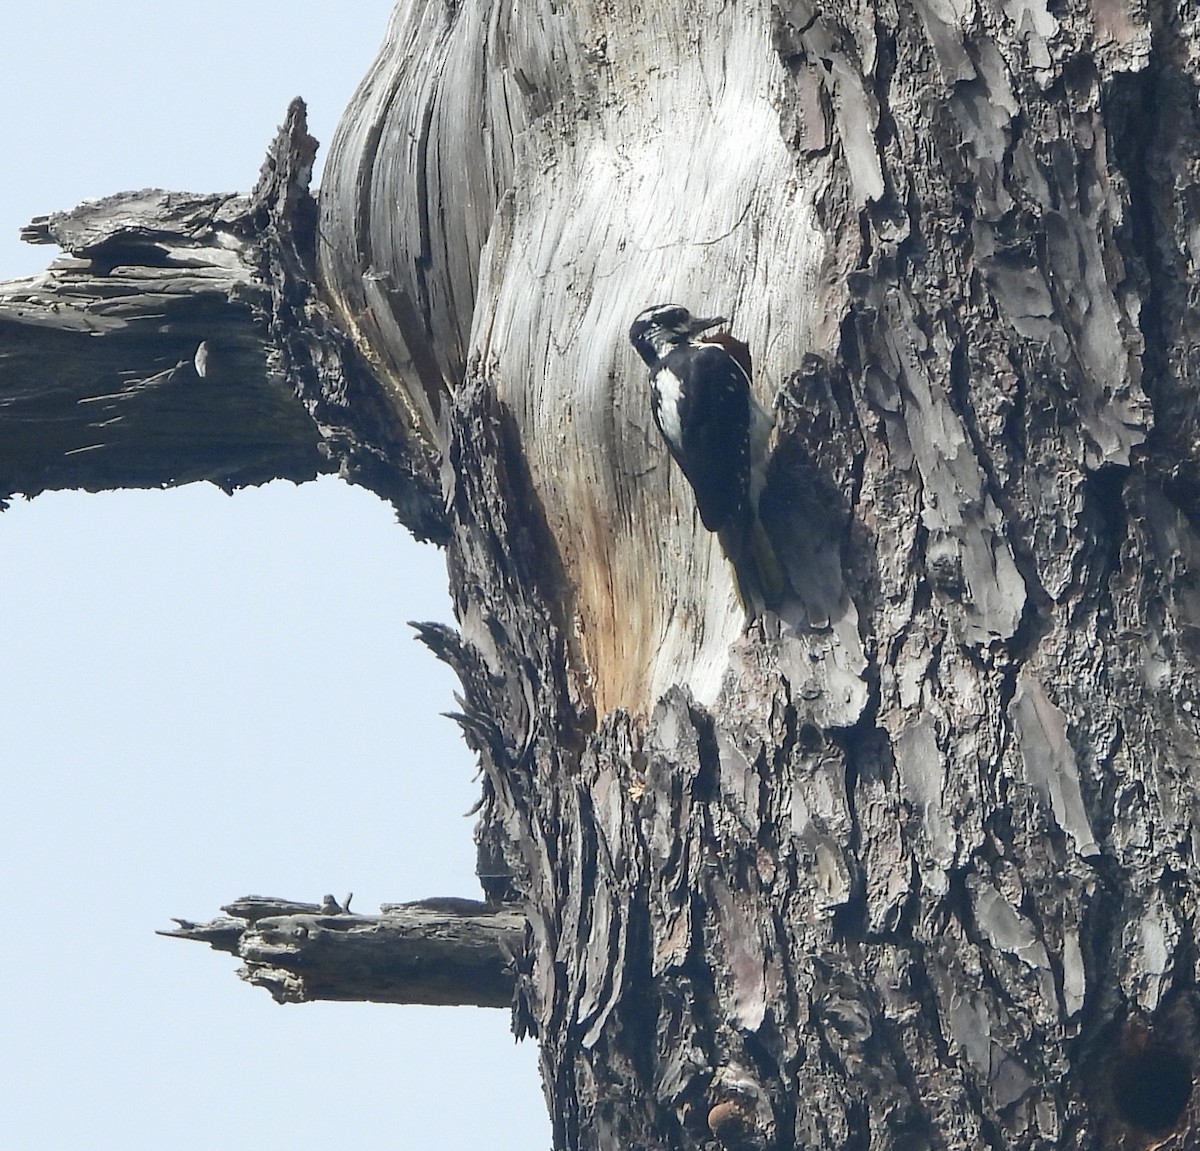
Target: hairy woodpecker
{"type": "Point", "coordinates": [715, 431]}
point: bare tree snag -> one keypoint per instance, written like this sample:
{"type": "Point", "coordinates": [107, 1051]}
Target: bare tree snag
{"type": "Point", "coordinates": [915, 863]}
{"type": "Point", "coordinates": [442, 952]}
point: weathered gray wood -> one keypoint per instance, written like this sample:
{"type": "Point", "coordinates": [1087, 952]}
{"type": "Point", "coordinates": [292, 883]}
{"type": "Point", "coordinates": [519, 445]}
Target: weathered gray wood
{"type": "Point", "coordinates": [137, 360]}
{"type": "Point", "coordinates": [915, 867]}
{"type": "Point", "coordinates": [916, 864]}
{"type": "Point", "coordinates": [527, 192]}
{"type": "Point", "coordinates": [182, 338]}
{"type": "Point", "coordinates": [442, 952]}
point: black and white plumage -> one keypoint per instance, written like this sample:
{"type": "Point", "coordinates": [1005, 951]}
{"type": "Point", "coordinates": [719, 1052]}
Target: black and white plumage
{"type": "Point", "coordinates": [700, 398]}
{"type": "Point", "coordinates": [715, 430]}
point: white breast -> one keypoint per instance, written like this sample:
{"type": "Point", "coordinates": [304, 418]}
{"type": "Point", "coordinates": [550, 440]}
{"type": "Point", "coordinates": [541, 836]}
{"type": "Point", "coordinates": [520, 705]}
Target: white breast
{"type": "Point", "coordinates": [668, 389]}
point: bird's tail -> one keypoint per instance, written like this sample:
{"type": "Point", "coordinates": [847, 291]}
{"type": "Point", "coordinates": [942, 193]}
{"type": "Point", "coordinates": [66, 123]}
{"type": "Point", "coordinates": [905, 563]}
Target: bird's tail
{"type": "Point", "coordinates": [762, 582]}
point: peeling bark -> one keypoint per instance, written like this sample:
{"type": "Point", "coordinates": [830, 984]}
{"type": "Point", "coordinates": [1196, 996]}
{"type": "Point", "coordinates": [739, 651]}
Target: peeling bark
{"type": "Point", "coordinates": [915, 863]}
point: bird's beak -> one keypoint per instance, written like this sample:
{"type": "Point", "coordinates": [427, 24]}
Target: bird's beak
{"type": "Point", "coordinates": [699, 325]}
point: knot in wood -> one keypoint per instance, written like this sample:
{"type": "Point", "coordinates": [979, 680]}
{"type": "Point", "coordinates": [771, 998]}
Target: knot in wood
{"type": "Point", "coordinates": [735, 1125]}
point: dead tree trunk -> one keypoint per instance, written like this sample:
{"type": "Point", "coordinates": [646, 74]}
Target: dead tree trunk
{"type": "Point", "coordinates": [912, 863]}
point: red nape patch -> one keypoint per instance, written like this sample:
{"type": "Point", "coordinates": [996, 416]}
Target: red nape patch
{"type": "Point", "coordinates": [736, 348]}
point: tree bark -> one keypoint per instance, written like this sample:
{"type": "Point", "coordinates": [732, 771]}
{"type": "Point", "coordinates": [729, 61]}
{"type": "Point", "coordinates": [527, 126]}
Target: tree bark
{"type": "Point", "coordinates": [912, 862]}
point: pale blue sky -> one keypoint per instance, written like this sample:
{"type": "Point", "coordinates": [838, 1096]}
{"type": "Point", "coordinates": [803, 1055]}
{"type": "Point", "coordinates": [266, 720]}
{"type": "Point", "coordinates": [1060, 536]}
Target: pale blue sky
{"type": "Point", "coordinates": [203, 697]}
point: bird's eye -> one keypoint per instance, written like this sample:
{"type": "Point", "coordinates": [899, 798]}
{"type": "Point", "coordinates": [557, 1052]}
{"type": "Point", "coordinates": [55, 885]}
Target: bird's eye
{"type": "Point", "coordinates": [675, 318]}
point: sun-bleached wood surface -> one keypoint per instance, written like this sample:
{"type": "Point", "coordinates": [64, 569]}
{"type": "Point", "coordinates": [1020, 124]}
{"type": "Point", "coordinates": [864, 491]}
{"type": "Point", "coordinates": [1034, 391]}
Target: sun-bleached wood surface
{"type": "Point", "coordinates": [525, 182]}
{"type": "Point", "coordinates": [915, 864]}
{"type": "Point", "coordinates": [871, 846]}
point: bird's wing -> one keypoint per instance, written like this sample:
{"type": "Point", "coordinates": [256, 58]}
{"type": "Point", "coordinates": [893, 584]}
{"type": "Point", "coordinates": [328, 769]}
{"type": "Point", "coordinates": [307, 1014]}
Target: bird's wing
{"type": "Point", "coordinates": [714, 416]}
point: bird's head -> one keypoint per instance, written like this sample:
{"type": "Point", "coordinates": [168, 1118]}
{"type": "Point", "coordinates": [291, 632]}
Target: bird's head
{"type": "Point", "coordinates": [665, 326]}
